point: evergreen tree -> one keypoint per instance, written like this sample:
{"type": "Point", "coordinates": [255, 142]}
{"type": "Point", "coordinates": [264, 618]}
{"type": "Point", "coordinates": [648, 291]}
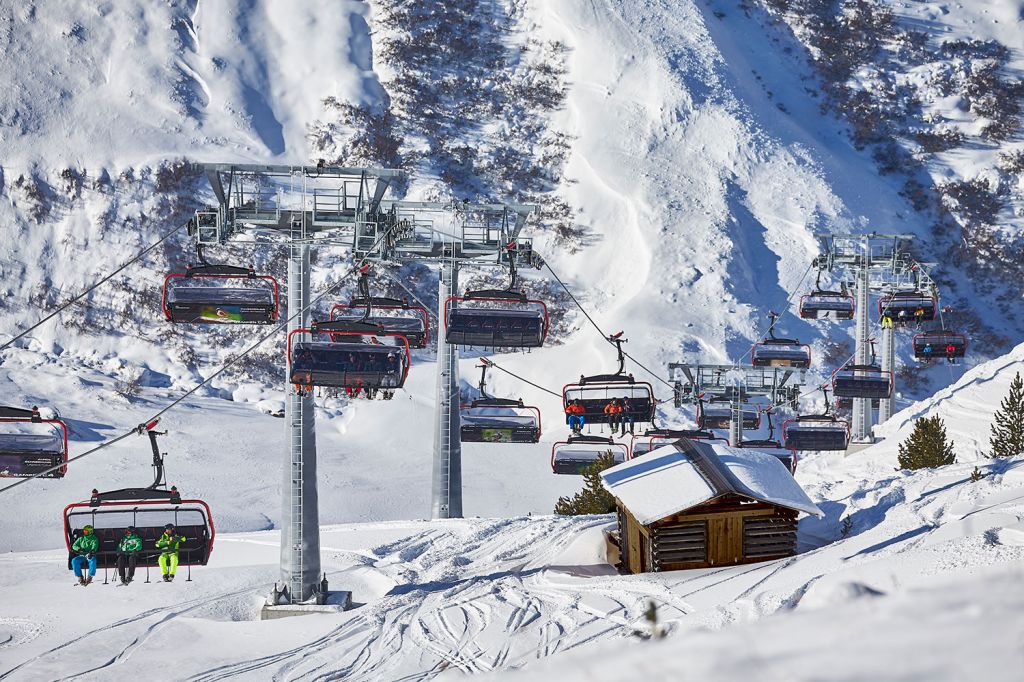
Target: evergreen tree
{"type": "Point", "coordinates": [1008, 429]}
{"type": "Point", "coordinates": [593, 499]}
{"type": "Point", "coordinates": [927, 445]}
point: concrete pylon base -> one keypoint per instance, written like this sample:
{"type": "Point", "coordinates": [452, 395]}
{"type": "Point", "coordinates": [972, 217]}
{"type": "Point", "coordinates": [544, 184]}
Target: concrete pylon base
{"type": "Point", "coordinates": [334, 602]}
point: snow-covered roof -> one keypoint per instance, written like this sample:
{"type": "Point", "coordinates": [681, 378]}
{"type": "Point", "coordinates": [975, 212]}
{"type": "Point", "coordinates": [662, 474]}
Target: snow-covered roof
{"type": "Point", "coordinates": [687, 473]}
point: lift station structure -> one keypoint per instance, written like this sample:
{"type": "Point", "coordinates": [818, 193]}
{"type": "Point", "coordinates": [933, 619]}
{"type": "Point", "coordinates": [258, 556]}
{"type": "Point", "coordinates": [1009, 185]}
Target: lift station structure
{"type": "Point", "coordinates": [303, 206]}
{"type": "Point", "coordinates": [872, 263]}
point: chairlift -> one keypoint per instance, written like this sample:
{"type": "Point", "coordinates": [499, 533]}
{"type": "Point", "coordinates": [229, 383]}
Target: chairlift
{"type": "Point", "coordinates": [148, 510]}
{"type": "Point", "coordinates": [498, 420]}
{"type": "Point", "coordinates": [393, 315]}
{"type": "Point", "coordinates": [776, 352]}
{"type": "Point", "coordinates": [31, 445]}
{"type": "Point", "coordinates": [596, 392]}
{"type": "Point", "coordinates": [358, 356]}
{"type": "Point", "coordinates": [820, 303]}
{"type": "Point", "coordinates": [771, 446]}
{"type": "Point", "coordinates": [939, 344]}
{"type": "Point", "coordinates": [578, 452]}
{"type": "Point", "coordinates": [220, 294]}
{"type": "Point", "coordinates": [496, 318]}
{"type": "Point", "coordinates": [904, 307]}
{"type": "Point", "coordinates": [716, 413]}
{"type": "Point", "coordinates": [862, 381]}
{"type": "Point", "coordinates": [652, 439]}
{"type": "Point", "coordinates": [813, 432]}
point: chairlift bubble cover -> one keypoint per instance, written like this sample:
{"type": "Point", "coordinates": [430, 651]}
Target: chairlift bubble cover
{"type": "Point", "coordinates": [815, 305]}
{"type": "Point", "coordinates": [192, 299]}
{"type": "Point", "coordinates": [781, 353]}
{"type": "Point", "coordinates": [573, 456]}
{"type": "Point", "coordinates": [811, 434]}
{"type": "Point", "coordinates": [24, 452]}
{"type": "Point", "coordinates": [347, 365]}
{"type": "Point", "coordinates": [862, 381]}
{"type": "Point", "coordinates": [394, 318]}
{"type": "Point", "coordinates": [499, 424]}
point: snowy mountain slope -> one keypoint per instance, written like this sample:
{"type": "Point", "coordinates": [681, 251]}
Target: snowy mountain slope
{"type": "Point", "coordinates": [109, 85]}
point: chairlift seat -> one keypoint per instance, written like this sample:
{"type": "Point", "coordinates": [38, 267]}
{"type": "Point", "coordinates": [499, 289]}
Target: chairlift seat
{"type": "Point", "coordinates": [571, 457]}
{"type": "Point", "coordinates": [191, 518]}
{"type": "Point", "coordinates": [656, 438]}
{"type": "Point", "coordinates": [816, 432]}
{"type": "Point", "coordinates": [241, 297]}
{"type": "Point", "coordinates": [341, 364]}
{"type": "Point", "coordinates": [773, 448]}
{"type": "Point", "coordinates": [595, 393]}
{"type": "Point", "coordinates": [819, 303]}
{"type": "Point", "coordinates": [393, 316]}
{"type": "Point", "coordinates": [495, 328]}
{"type": "Point", "coordinates": [939, 344]}
{"type": "Point", "coordinates": [499, 421]}
{"type": "Point", "coordinates": [720, 417]}
{"type": "Point", "coordinates": [781, 353]}
{"type": "Point", "coordinates": [30, 444]}
{"type": "Point", "coordinates": [862, 381]}
{"type": "Point", "coordinates": [901, 306]}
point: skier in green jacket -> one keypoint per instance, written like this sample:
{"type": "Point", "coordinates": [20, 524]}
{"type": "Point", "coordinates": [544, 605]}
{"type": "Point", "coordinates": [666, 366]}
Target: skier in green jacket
{"type": "Point", "coordinates": [87, 544]}
{"type": "Point", "coordinates": [168, 545]}
{"type": "Point", "coordinates": [128, 555]}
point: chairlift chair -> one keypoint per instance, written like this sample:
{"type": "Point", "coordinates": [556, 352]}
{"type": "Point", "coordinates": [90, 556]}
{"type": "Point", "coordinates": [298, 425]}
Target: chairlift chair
{"type": "Point", "coordinates": [496, 318]}
{"type": "Point", "coordinates": [901, 306]}
{"type": "Point", "coordinates": [347, 360]}
{"type": "Point", "coordinates": [939, 344]}
{"type": "Point", "coordinates": [818, 304]}
{"type": "Point", "coordinates": [220, 294]}
{"type": "Point", "coordinates": [148, 510]}
{"type": "Point", "coordinates": [26, 450]}
{"type": "Point", "coordinates": [595, 392]}
{"type": "Point", "coordinates": [813, 432]}
{"type": "Point", "coordinates": [498, 420]}
{"type": "Point", "coordinates": [574, 455]}
{"type": "Point", "coordinates": [862, 381]}
{"type": "Point", "coordinates": [652, 439]}
{"type": "Point", "coordinates": [716, 413]}
{"type": "Point", "coordinates": [393, 315]}
{"type": "Point", "coordinates": [776, 352]}
{"type": "Point", "coordinates": [771, 446]}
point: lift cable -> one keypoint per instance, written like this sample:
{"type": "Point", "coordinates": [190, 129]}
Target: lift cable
{"type": "Point", "coordinates": [490, 363]}
{"type": "Point", "coordinates": [602, 332]}
{"type": "Point", "coordinates": [94, 286]}
{"type": "Point", "coordinates": [141, 429]}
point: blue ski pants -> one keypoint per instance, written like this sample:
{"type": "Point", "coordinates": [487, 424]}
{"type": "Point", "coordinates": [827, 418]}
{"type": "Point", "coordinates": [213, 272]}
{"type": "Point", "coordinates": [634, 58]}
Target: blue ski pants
{"type": "Point", "coordinates": [76, 565]}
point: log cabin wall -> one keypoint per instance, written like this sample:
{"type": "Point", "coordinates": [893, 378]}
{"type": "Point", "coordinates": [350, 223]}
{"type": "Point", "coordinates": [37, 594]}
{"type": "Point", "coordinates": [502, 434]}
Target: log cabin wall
{"type": "Point", "coordinates": [727, 531]}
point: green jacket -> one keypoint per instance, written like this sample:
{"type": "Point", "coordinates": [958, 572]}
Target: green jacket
{"type": "Point", "coordinates": [86, 544]}
{"type": "Point", "coordinates": [170, 543]}
{"type": "Point", "coordinates": [130, 544]}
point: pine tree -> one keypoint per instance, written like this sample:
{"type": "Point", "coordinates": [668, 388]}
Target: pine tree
{"type": "Point", "coordinates": [593, 499]}
{"type": "Point", "coordinates": [927, 445]}
{"type": "Point", "coordinates": [1008, 429]}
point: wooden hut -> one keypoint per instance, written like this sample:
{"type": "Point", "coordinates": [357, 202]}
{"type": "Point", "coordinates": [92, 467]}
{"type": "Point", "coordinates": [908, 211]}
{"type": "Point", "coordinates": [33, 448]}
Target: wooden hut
{"type": "Point", "coordinates": [695, 504]}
